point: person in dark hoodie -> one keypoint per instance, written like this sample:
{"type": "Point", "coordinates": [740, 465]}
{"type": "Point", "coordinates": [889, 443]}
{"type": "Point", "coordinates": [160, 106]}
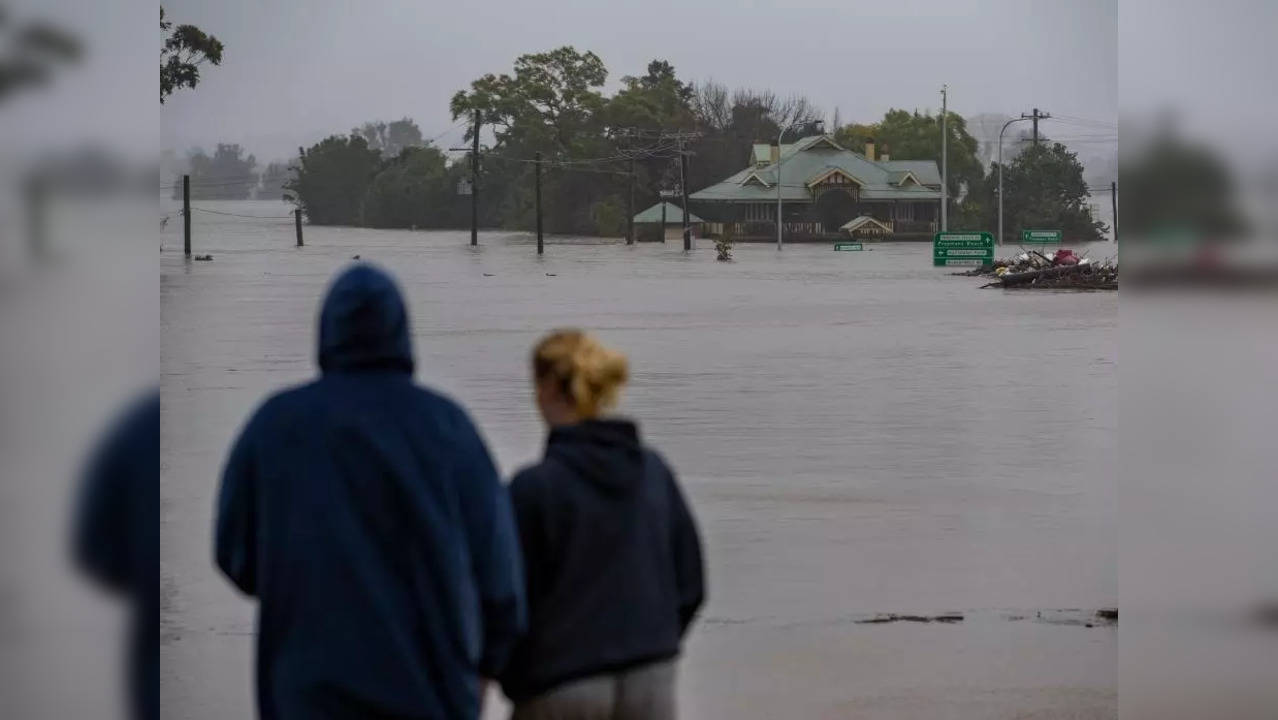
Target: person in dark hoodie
{"type": "Point", "coordinates": [611, 552]}
{"type": "Point", "coordinates": [365, 514]}
{"type": "Point", "coordinates": [116, 539]}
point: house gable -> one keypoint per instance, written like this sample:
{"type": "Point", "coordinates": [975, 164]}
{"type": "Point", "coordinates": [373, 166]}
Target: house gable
{"type": "Point", "coordinates": [753, 178]}
{"type": "Point", "coordinates": [908, 178]}
{"type": "Point", "coordinates": [834, 176]}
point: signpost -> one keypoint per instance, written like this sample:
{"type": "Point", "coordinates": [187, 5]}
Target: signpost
{"type": "Point", "coordinates": [962, 248]}
{"type": "Point", "coordinates": [848, 246]}
{"type": "Point", "coordinates": [1040, 237]}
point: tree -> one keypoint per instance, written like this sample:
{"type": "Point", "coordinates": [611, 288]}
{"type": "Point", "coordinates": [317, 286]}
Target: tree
{"type": "Point", "coordinates": [275, 179]}
{"type": "Point", "coordinates": [390, 139]}
{"type": "Point", "coordinates": [226, 175]}
{"type": "Point", "coordinates": [414, 189]}
{"type": "Point", "coordinates": [30, 52]}
{"type": "Point", "coordinates": [732, 122]}
{"type": "Point", "coordinates": [1043, 188]}
{"type": "Point", "coordinates": [551, 104]}
{"type": "Point", "coordinates": [332, 179]}
{"type": "Point", "coordinates": [551, 100]}
{"type": "Point", "coordinates": [185, 48]}
{"type": "Point", "coordinates": [1173, 185]}
{"type": "Point", "coordinates": [917, 136]}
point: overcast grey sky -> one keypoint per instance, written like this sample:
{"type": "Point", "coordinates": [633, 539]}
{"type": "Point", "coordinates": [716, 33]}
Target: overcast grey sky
{"type": "Point", "coordinates": [295, 71]}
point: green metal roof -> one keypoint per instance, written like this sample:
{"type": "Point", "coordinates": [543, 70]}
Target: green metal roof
{"type": "Point", "coordinates": [812, 156]}
{"type": "Point", "coordinates": [674, 215]}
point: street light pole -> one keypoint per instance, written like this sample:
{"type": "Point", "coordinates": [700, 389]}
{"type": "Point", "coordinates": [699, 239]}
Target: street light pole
{"type": "Point", "coordinates": [779, 160]}
{"type": "Point", "coordinates": [1000, 176]}
{"type": "Point", "coordinates": [819, 125]}
{"type": "Point", "coordinates": [945, 169]}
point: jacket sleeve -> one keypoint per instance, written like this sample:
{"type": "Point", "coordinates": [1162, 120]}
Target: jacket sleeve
{"type": "Point", "coordinates": [236, 532]}
{"type": "Point", "coordinates": [495, 558]}
{"type": "Point", "coordinates": [689, 573]}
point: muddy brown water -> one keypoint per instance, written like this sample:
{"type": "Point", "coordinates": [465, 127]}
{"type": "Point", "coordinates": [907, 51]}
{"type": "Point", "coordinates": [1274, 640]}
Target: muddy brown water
{"type": "Point", "coordinates": [860, 434]}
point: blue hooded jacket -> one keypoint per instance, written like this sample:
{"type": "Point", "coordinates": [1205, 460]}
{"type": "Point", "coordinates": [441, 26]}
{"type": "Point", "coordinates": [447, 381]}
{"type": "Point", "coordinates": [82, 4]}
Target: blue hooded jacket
{"type": "Point", "coordinates": [116, 538]}
{"type": "Point", "coordinates": [366, 515]}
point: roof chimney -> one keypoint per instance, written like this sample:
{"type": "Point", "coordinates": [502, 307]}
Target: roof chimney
{"type": "Point", "coordinates": [883, 156]}
{"type": "Point", "coordinates": [869, 149]}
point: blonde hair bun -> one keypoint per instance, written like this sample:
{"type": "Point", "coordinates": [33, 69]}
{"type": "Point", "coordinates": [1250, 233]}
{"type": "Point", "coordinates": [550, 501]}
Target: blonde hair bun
{"type": "Point", "coordinates": [590, 374]}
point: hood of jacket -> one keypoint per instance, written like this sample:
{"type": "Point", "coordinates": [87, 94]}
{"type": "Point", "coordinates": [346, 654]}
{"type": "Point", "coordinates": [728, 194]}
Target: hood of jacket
{"type": "Point", "coordinates": [363, 324]}
{"type": "Point", "coordinates": [605, 452]}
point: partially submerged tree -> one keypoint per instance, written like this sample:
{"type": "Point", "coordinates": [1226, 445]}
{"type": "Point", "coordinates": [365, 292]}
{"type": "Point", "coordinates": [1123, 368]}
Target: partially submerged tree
{"type": "Point", "coordinates": [1043, 188]}
{"type": "Point", "coordinates": [332, 179]}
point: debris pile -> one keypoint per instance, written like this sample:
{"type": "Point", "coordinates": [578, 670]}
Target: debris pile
{"type": "Point", "coordinates": [1060, 269]}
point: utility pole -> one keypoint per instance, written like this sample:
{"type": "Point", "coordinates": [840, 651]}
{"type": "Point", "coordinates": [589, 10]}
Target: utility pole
{"type": "Point", "coordinates": [1036, 116]}
{"type": "Point", "coordinates": [297, 224]}
{"type": "Point", "coordinates": [1113, 199]}
{"type": "Point", "coordinates": [186, 216]}
{"type": "Point", "coordinates": [474, 183]}
{"type": "Point", "coordinates": [630, 207]}
{"type": "Point", "coordinates": [945, 158]}
{"type": "Point", "coordinates": [541, 247]}
{"type": "Point", "coordinates": [683, 189]}
{"type": "Point", "coordinates": [662, 198]}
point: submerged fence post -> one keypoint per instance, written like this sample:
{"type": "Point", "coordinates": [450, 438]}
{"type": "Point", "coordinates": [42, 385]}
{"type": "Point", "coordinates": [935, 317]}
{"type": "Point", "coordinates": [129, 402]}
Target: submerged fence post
{"type": "Point", "coordinates": [297, 223]}
{"type": "Point", "coordinates": [186, 216]}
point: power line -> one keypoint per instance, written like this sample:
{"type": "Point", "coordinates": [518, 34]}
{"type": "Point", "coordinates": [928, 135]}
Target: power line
{"type": "Point", "coordinates": [254, 217]}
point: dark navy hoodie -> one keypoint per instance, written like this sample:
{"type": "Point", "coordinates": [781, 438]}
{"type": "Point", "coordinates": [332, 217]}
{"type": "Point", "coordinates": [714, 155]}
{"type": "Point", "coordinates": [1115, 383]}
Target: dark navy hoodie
{"type": "Point", "coordinates": [611, 554]}
{"type": "Point", "coordinates": [366, 515]}
{"type": "Point", "coordinates": [117, 538]}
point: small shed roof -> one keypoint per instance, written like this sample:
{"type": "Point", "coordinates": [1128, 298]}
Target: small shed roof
{"type": "Point", "coordinates": [674, 215]}
{"type": "Point", "coordinates": [864, 221]}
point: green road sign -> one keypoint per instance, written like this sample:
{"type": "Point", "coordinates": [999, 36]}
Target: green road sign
{"type": "Point", "coordinates": [1040, 237]}
{"type": "Point", "coordinates": [848, 246]}
{"type": "Point", "coordinates": [962, 248]}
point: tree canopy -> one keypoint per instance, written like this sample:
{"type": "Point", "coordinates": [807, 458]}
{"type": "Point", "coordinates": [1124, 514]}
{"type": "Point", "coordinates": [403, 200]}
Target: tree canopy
{"type": "Point", "coordinates": [226, 175]}
{"type": "Point", "coordinates": [391, 139]}
{"type": "Point", "coordinates": [917, 136]}
{"type": "Point", "coordinates": [1043, 188]}
{"type": "Point", "coordinates": [184, 49]}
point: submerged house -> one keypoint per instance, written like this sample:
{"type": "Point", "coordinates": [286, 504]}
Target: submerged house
{"type": "Point", "coordinates": [826, 191]}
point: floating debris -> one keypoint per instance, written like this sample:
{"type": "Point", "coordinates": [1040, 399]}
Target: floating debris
{"type": "Point", "coordinates": [354, 257]}
{"type": "Point", "coordinates": [203, 258]}
{"type": "Point", "coordinates": [489, 274]}
{"type": "Point", "coordinates": [550, 274]}
{"type": "Point", "coordinates": [1060, 270]}
{"type": "Point", "coordinates": [892, 617]}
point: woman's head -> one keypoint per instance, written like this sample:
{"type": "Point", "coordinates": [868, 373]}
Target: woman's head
{"type": "Point", "coordinates": [576, 377]}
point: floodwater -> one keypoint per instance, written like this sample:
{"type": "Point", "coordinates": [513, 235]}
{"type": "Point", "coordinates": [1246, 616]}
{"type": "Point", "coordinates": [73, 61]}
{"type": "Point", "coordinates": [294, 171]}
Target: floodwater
{"type": "Point", "coordinates": [858, 432]}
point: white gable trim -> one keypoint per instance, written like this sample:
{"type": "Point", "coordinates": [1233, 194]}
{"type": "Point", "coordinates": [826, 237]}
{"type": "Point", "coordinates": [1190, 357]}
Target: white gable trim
{"type": "Point", "coordinates": [909, 175]}
{"type": "Point", "coordinates": [830, 173]}
{"type": "Point", "coordinates": [755, 176]}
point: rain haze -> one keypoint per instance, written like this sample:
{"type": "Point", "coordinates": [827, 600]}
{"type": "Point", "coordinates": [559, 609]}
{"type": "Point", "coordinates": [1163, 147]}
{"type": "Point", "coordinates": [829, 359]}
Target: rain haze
{"type": "Point", "coordinates": [297, 72]}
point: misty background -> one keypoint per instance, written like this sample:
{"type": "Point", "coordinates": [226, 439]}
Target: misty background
{"type": "Point", "coordinates": [293, 74]}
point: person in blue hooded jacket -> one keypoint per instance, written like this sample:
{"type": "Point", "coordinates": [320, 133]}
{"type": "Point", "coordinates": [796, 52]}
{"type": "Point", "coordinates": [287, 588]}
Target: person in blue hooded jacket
{"type": "Point", "coordinates": [613, 560]}
{"type": "Point", "coordinates": [365, 514]}
{"type": "Point", "coordinates": [116, 538]}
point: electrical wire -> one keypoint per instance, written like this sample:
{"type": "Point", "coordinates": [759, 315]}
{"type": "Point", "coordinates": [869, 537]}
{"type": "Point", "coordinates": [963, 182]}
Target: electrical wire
{"type": "Point", "coordinates": [254, 217]}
